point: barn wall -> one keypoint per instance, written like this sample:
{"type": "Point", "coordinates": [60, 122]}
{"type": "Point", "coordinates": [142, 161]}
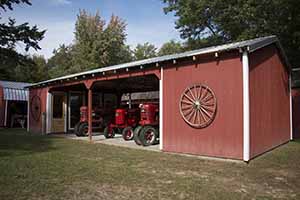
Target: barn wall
{"type": "Point", "coordinates": [224, 137]}
{"type": "Point", "coordinates": [269, 101]}
{"type": "Point", "coordinates": [2, 107]}
{"type": "Point", "coordinates": [36, 126]}
{"type": "Point", "coordinates": [296, 113]}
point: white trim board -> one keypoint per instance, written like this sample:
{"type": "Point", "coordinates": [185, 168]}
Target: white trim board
{"type": "Point", "coordinates": [48, 113]}
{"type": "Point", "coordinates": [246, 107]}
{"type": "Point", "coordinates": [161, 108]}
{"type": "Point", "coordinates": [291, 108]}
{"type": "Point", "coordinates": [5, 113]}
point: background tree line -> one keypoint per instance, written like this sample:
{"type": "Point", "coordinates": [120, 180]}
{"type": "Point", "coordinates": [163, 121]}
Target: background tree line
{"type": "Point", "coordinates": [98, 43]}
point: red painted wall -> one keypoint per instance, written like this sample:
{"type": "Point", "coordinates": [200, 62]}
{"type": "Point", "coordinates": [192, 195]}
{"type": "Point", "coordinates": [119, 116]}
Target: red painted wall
{"type": "Point", "coordinates": [224, 137]}
{"type": "Point", "coordinates": [2, 107]}
{"type": "Point", "coordinates": [296, 113]}
{"type": "Point", "coordinates": [269, 101]}
{"type": "Point", "coordinates": [36, 126]}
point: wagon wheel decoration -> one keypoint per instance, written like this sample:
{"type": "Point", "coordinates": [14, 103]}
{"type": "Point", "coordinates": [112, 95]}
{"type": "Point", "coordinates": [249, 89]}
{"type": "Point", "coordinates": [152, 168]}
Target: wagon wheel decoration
{"type": "Point", "coordinates": [198, 106]}
{"type": "Point", "coordinates": [35, 107]}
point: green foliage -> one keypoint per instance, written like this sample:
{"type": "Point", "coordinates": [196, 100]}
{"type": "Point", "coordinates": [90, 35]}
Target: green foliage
{"type": "Point", "coordinates": [12, 34]}
{"type": "Point", "coordinates": [97, 45]}
{"type": "Point", "coordinates": [144, 51]}
{"type": "Point", "coordinates": [35, 70]}
{"type": "Point", "coordinates": [170, 47]}
{"type": "Point", "coordinates": [61, 61]}
{"type": "Point", "coordinates": [217, 21]}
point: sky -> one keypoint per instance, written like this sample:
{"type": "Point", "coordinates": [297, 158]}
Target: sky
{"type": "Point", "coordinates": [146, 21]}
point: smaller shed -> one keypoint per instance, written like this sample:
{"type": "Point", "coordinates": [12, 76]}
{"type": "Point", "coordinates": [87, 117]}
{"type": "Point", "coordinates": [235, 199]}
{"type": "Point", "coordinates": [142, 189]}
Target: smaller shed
{"type": "Point", "coordinates": [13, 104]}
{"type": "Point", "coordinates": [296, 102]}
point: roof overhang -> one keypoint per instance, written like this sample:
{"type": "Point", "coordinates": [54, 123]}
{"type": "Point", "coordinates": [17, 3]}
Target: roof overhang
{"type": "Point", "coordinates": [248, 45]}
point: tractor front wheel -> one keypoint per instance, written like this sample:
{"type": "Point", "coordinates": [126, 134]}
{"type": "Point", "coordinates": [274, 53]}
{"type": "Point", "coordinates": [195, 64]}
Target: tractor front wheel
{"type": "Point", "coordinates": [127, 133]}
{"type": "Point", "coordinates": [136, 135]}
{"type": "Point", "coordinates": [148, 136]}
{"type": "Point", "coordinates": [83, 129]}
{"type": "Point", "coordinates": [109, 132]}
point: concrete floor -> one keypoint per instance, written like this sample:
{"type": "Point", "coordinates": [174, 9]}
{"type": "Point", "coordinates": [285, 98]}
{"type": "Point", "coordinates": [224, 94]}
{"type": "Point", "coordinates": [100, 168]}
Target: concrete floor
{"type": "Point", "coordinates": [116, 141]}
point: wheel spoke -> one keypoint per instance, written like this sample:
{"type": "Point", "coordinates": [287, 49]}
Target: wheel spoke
{"type": "Point", "coordinates": [198, 106]}
{"type": "Point", "coordinates": [203, 116]}
{"type": "Point", "coordinates": [187, 102]}
{"type": "Point", "coordinates": [192, 94]}
{"type": "Point", "coordinates": [208, 108]}
{"type": "Point", "coordinates": [205, 112]}
{"type": "Point", "coordinates": [207, 98]}
{"type": "Point", "coordinates": [188, 97]}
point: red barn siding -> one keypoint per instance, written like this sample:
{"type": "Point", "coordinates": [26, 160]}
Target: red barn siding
{"type": "Point", "coordinates": [296, 113]}
{"type": "Point", "coordinates": [269, 101]}
{"type": "Point", "coordinates": [2, 107]}
{"type": "Point", "coordinates": [36, 126]}
{"type": "Point", "coordinates": [224, 137]}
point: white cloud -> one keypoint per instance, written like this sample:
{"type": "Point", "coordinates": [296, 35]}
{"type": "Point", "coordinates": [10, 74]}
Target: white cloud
{"type": "Point", "coordinates": [61, 2]}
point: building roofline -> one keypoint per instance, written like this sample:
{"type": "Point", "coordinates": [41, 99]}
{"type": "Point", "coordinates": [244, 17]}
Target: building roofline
{"type": "Point", "coordinates": [247, 45]}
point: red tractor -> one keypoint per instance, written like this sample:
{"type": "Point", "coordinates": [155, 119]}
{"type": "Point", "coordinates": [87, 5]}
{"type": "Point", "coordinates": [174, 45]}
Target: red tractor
{"type": "Point", "coordinates": [100, 118]}
{"type": "Point", "coordinates": [125, 122]}
{"type": "Point", "coordinates": [147, 132]}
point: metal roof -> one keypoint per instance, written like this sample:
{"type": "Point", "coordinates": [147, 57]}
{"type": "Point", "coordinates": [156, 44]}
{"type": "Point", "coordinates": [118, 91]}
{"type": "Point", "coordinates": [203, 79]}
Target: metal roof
{"type": "Point", "coordinates": [248, 45]}
{"type": "Point", "coordinates": [15, 91]}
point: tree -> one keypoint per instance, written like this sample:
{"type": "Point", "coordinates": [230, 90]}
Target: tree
{"type": "Point", "coordinates": [61, 62]}
{"type": "Point", "coordinates": [217, 21]}
{"type": "Point", "coordinates": [97, 45]}
{"type": "Point", "coordinates": [170, 47]}
{"type": "Point", "coordinates": [144, 51]}
{"type": "Point", "coordinates": [35, 70]}
{"type": "Point", "coordinates": [12, 34]}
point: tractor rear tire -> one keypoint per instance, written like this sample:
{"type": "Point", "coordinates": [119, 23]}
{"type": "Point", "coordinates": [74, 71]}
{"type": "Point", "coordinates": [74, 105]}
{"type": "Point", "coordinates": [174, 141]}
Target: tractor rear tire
{"type": "Point", "coordinates": [76, 129]}
{"type": "Point", "coordinates": [83, 129]}
{"type": "Point", "coordinates": [109, 132]}
{"type": "Point", "coordinates": [136, 135]}
{"type": "Point", "coordinates": [148, 136]}
{"type": "Point", "coordinates": [128, 133]}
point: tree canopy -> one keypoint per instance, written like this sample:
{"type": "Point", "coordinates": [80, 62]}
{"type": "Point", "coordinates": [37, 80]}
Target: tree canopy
{"type": "Point", "coordinates": [170, 47]}
{"type": "Point", "coordinates": [12, 34]}
{"type": "Point", "coordinates": [144, 51]}
{"type": "Point", "coordinates": [211, 22]}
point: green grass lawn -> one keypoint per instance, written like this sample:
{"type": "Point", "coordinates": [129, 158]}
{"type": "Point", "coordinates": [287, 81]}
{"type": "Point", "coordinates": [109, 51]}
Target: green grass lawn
{"type": "Point", "coordinates": [45, 167]}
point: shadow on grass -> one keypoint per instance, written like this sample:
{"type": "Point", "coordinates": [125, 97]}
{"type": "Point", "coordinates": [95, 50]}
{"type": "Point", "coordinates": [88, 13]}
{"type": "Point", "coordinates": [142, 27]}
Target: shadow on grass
{"type": "Point", "coordinates": [17, 142]}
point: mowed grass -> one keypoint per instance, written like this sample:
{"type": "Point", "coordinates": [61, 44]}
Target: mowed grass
{"type": "Point", "coordinates": [45, 167]}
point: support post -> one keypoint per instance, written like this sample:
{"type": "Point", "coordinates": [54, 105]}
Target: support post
{"type": "Point", "coordinates": [28, 113]}
{"type": "Point", "coordinates": [90, 96]}
{"type": "Point", "coordinates": [5, 113]}
{"type": "Point", "coordinates": [161, 109]}
{"type": "Point", "coordinates": [246, 108]}
{"type": "Point", "coordinates": [129, 101]}
{"type": "Point", "coordinates": [291, 107]}
{"type": "Point", "coordinates": [49, 108]}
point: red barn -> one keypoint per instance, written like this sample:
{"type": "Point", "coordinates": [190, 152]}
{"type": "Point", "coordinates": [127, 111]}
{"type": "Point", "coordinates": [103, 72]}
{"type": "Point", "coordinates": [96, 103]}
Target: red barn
{"type": "Point", "coordinates": [230, 101]}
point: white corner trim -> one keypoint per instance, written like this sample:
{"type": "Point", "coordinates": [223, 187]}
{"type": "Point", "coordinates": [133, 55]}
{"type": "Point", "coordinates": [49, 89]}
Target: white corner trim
{"type": "Point", "coordinates": [65, 107]}
{"type": "Point", "coordinates": [5, 113]}
{"type": "Point", "coordinates": [48, 113]}
{"type": "Point", "coordinates": [28, 113]}
{"type": "Point", "coordinates": [291, 108]}
{"type": "Point", "coordinates": [161, 108]}
{"type": "Point", "coordinates": [246, 108]}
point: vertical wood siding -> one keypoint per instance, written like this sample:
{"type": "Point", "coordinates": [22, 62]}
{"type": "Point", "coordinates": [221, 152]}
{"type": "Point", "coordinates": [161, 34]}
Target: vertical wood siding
{"type": "Point", "coordinates": [36, 126]}
{"type": "Point", "coordinates": [269, 101]}
{"type": "Point", "coordinates": [224, 137]}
